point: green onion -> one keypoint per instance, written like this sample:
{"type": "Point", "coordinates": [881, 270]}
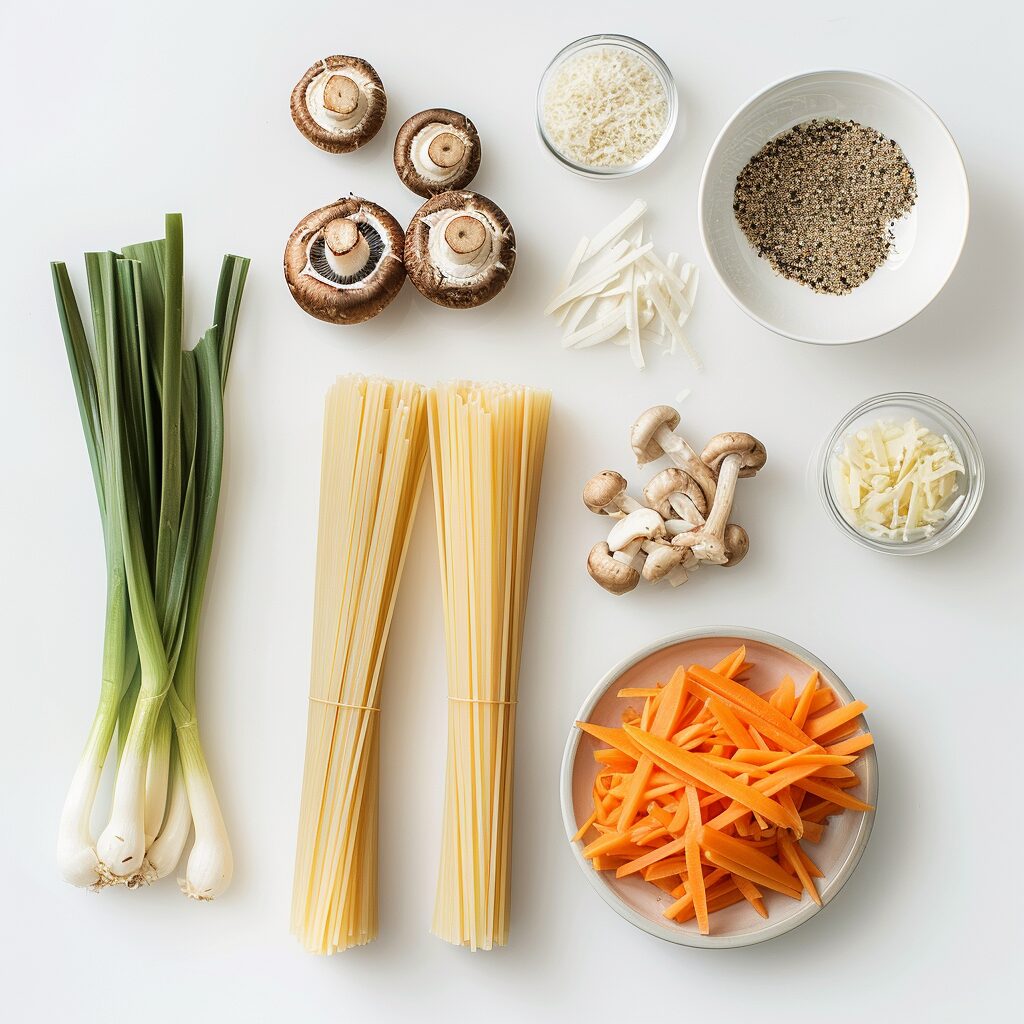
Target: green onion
{"type": "Point", "coordinates": [153, 419]}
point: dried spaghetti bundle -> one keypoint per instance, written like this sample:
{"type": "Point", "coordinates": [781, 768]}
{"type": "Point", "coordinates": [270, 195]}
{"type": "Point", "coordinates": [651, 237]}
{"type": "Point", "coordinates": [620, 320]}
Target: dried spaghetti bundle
{"type": "Point", "coordinates": [487, 453]}
{"type": "Point", "coordinates": [374, 460]}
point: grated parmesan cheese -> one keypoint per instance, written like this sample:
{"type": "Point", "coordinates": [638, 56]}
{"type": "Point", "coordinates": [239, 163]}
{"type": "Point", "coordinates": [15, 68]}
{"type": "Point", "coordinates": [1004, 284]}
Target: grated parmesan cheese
{"type": "Point", "coordinates": [897, 482]}
{"type": "Point", "coordinates": [605, 107]}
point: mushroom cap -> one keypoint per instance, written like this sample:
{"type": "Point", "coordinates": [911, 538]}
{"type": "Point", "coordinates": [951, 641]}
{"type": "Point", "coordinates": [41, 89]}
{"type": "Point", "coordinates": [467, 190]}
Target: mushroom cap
{"type": "Point", "coordinates": [675, 481]}
{"type": "Point", "coordinates": [737, 544]}
{"type": "Point", "coordinates": [616, 577]}
{"type": "Point", "coordinates": [746, 446]}
{"type": "Point", "coordinates": [641, 435]}
{"type": "Point", "coordinates": [602, 490]}
{"type": "Point", "coordinates": [461, 174]}
{"type": "Point", "coordinates": [469, 287]}
{"type": "Point", "coordinates": [310, 280]}
{"type": "Point", "coordinates": [661, 561]}
{"type": "Point", "coordinates": [340, 140]}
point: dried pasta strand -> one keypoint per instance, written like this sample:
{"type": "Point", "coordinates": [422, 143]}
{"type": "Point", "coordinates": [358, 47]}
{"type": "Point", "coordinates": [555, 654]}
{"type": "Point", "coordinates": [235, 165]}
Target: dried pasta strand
{"type": "Point", "coordinates": [374, 462]}
{"type": "Point", "coordinates": [487, 451]}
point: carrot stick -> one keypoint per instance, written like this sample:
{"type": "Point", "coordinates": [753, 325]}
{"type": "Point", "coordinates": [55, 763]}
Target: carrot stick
{"type": "Point", "coordinates": [803, 705]}
{"type": "Point", "coordinates": [751, 894]}
{"type": "Point", "coordinates": [852, 746]}
{"type": "Point", "coordinates": [639, 863]}
{"type": "Point", "coordinates": [789, 852]}
{"type": "Point", "coordinates": [833, 794]}
{"type": "Point", "coordinates": [743, 853]}
{"type": "Point", "coordinates": [822, 725]}
{"type": "Point", "coordinates": [670, 757]}
{"type": "Point", "coordinates": [694, 872]}
{"type": "Point", "coordinates": [758, 879]}
{"type": "Point", "coordinates": [616, 738]}
{"type": "Point", "coordinates": [585, 827]}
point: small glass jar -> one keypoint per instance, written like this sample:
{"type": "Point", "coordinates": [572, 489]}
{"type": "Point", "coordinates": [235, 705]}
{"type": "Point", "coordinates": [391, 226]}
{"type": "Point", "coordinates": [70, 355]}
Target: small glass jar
{"type": "Point", "coordinates": [930, 413]}
{"type": "Point", "coordinates": [654, 62]}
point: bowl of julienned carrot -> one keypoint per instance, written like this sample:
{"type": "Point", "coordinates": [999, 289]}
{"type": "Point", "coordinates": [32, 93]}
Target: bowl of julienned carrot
{"type": "Point", "coordinates": [718, 787]}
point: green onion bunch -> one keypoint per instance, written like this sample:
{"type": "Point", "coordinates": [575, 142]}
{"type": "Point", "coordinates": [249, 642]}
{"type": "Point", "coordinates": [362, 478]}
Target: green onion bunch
{"type": "Point", "coordinates": [153, 418]}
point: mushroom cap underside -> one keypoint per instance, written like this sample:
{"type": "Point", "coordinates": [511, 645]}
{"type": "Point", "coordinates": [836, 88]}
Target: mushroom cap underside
{"type": "Point", "coordinates": [340, 139]}
{"type": "Point", "coordinates": [448, 277]}
{"type": "Point", "coordinates": [443, 138]}
{"type": "Point", "coordinates": [318, 290]}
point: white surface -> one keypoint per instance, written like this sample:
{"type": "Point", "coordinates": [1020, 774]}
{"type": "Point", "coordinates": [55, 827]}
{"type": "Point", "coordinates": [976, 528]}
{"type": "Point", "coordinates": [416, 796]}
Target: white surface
{"type": "Point", "coordinates": [114, 115]}
{"type": "Point", "coordinates": [927, 241]}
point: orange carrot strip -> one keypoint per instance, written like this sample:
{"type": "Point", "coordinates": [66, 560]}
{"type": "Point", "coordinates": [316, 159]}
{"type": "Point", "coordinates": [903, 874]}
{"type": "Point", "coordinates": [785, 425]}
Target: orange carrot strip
{"type": "Point", "coordinates": [743, 853]}
{"type": "Point", "coordinates": [852, 746]}
{"type": "Point", "coordinates": [788, 850]}
{"type": "Point", "coordinates": [812, 869]}
{"type": "Point", "coordinates": [670, 867]}
{"type": "Point", "coordinates": [833, 794]}
{"type": "Point", "coordinates": [822, 725]}
{"type": "Point", "coordinates": [669, 756]}
{"type": "Point", "coordinates": [616, 738]}
{"type": "Point", "coordinates": [751, 894]}
{"type": "Point", "coordinates": [784, 697]}
{"type": "Point", "coordinates": [694, 872]}
{"type": "Point", "coordinates": [734, 867]}
{"type": "Point", "coordinates": [631, 867]}
{"type": "Point", "coordinates": [743, 697]}
{"type": "Point", "coordinates": [685, 900]}
{"type": "Point", "coordinates": [638, 691]}
{"type": "Point", "coordinates": [803, 705]}
{"type": "Point", "coordinates": [731, 661]}
{"type": "Point", "coordinates": [732, 726]}
{"type": "Point", "coordinates": [585, 828]}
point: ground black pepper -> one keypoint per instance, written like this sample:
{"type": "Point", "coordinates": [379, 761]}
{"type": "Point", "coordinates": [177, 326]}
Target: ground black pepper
{"type": "Point", "coordinates": [818, 202]}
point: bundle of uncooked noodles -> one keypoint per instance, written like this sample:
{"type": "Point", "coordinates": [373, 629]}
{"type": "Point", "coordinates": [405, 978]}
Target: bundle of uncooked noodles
{"type": "Point", "coordinates": [374, 460]}
{"type": "Point", "coordinates": [487, 452]}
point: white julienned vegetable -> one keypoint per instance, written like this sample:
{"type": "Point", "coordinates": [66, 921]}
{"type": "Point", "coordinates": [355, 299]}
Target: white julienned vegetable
{"type": "Point", "coordinates": [615, 288]}
{"type": "Point", "coordinates": [897, 482]}
{"type": "Point", "coordinates": [152, 415]}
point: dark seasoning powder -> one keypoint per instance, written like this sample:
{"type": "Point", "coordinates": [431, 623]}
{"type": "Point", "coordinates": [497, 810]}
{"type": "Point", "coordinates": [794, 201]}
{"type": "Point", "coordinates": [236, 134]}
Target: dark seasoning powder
{"type": "Point", "coordinates": [818, 202]}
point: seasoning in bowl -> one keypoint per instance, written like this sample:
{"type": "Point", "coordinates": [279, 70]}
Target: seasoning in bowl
{"type": "Point", "coordinates": [606, 105]}
{"type": "Point", "coordinates": [819, 201]}
{"type": "Point", "coordinates": [897, 482]}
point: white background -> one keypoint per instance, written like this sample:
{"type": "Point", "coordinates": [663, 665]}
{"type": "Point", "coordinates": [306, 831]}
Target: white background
{"type": "Point", "coordinates": [112, 115]}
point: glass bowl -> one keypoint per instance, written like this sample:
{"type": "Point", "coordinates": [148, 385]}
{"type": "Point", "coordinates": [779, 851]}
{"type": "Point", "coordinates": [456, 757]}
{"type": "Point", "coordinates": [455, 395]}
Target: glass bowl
{"type": "Point", "coordinates": [656, 64]}
{"type": "Point", "coordinates": [931, 413]}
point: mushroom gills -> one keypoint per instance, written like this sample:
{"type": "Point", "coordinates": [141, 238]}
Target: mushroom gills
{"type": "Point", "coordinates": [345, 268]}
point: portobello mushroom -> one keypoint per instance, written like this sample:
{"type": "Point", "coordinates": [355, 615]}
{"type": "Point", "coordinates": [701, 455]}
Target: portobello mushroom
{"type": "Point", "coordinates": [343, 262]}
{"type": "Point", "coordinates": [339, 104]}
{"type": "Point", "coordinates": [437, 150]}
{"type": "Point", "coordinates": [459, 249]}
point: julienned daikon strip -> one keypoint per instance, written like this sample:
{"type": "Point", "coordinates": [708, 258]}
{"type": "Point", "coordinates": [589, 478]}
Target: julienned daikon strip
{"type": "Point", "coordinates": [153, 420]}
{"type": "Point", "coordinates": [614, 230]}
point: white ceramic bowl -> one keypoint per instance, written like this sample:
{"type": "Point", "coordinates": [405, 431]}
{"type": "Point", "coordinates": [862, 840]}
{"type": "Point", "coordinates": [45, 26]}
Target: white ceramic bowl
{"type": "Point", "coordinates": [928, 241]}
{"type": "Point", "coordinates": [638, 901]}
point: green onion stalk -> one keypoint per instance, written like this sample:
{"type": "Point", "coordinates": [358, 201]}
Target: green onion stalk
{"type": "Point", "coordinates": [153, 420]}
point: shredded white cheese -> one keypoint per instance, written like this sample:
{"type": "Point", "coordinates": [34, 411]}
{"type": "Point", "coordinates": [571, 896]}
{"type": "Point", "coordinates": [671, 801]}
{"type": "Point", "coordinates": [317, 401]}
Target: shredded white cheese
{"type": "Point", "coordinates": [615, 288]}
{"type": "Point", "coordinates": [605, 107]}
{"type": "Point", "coordinates": [897, 482]}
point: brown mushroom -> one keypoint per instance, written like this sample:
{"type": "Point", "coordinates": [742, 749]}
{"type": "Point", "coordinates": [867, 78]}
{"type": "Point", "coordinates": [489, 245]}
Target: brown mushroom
{"type": "Point", "coordinates": [674, 491]}
{"type": "Point", "coordinates": [737, 544]}
{"type": "Point", "coordinates": [616, 575]}
{"type": "Point", "coordinates": [339, 104]}
{"type": "Point", "coordinates": [459, 249]}
{"type": "Point", "coordinates": [652, 437]}
{"type": "Point", "coordinates": [437, 150]}
{"type": "Point", "coordinates": [731, 455]}
{"type": "Point", "coordinates": [343, 262]}
{"type": "Point", "coordinates": [662, 559]}
{"type": "Point", "coordinates": [606, 494]}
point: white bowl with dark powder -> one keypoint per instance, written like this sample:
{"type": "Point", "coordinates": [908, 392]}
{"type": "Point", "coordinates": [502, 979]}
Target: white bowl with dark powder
{"type": "Point", "coordinates": [834, 206]}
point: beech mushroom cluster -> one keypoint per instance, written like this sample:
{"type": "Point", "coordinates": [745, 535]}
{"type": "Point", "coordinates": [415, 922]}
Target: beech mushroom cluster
{"type": "Point", "coordinates": [683, 520]}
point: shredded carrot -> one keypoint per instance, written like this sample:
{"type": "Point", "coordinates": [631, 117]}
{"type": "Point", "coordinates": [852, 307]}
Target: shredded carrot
{"type": "Point", "coordinates": [707, 790]}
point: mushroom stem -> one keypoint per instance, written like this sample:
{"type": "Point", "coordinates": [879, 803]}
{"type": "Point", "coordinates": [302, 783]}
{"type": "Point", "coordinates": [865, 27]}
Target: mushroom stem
{"type": "Point", "coordinates": [711, 547]}
{"type": "Point", "coordinates": [683, 456]}
{"type": "Point", "coordinates": [344, 101]}
{"type": "Point", "coordinates": [446, 151]}
{"type": "Point", "coordinates": [345, 247]}
{"type": "Point", "coordinates": [464, 237]}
